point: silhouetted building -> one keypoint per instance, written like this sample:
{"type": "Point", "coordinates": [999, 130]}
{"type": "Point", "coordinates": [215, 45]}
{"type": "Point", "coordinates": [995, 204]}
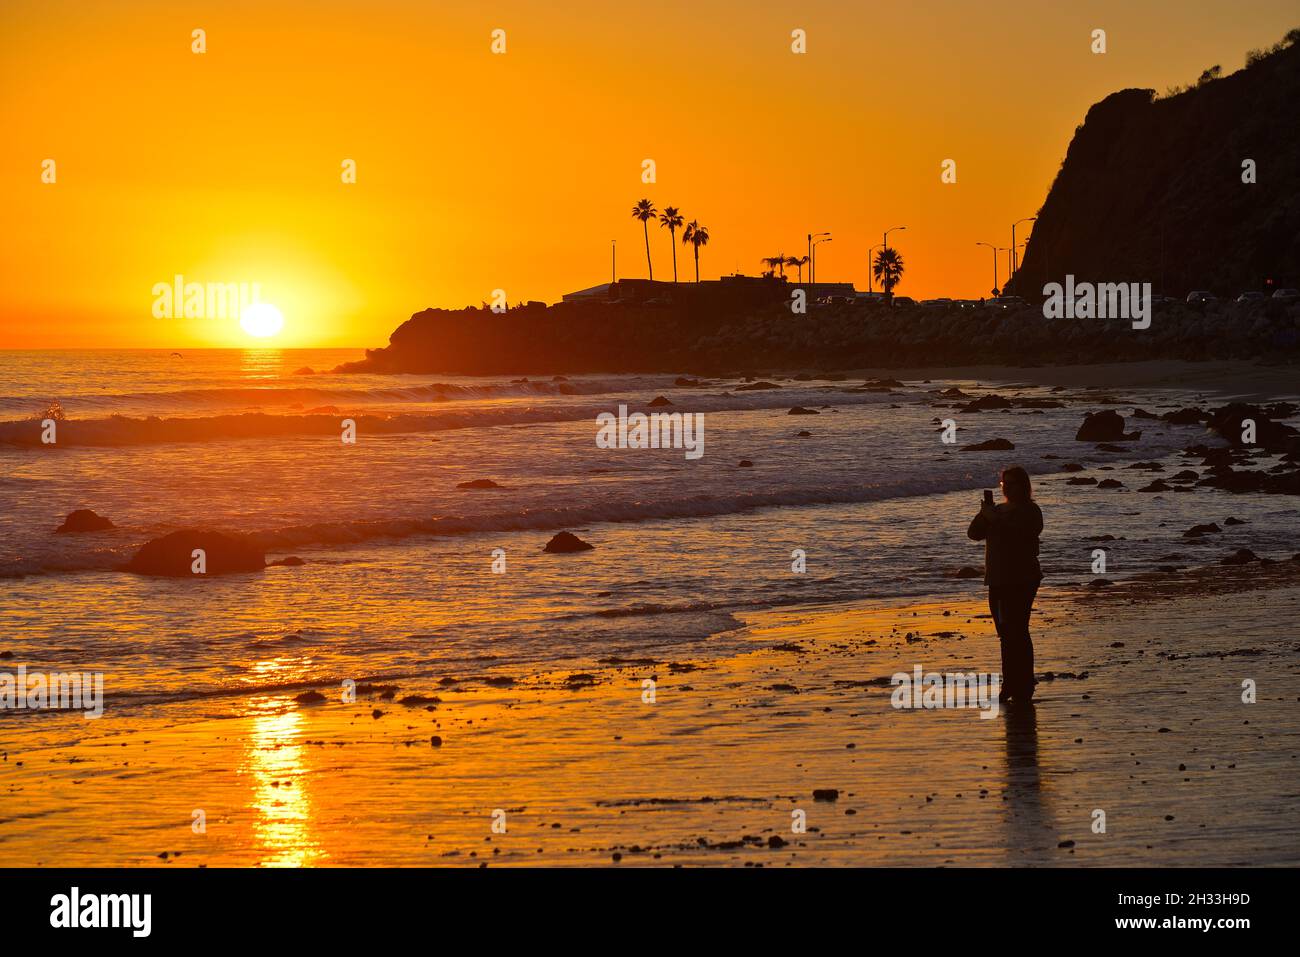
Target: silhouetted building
{"type": "Point", "coordinates": [729, 293]}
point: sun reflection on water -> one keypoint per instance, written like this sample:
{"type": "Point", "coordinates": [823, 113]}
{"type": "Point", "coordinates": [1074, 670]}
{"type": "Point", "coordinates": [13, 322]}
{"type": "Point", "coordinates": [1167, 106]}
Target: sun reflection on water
{"type": "Point", "coordinates": [261, 363]}
{"type": "Point", "coordinates": [280, 800]}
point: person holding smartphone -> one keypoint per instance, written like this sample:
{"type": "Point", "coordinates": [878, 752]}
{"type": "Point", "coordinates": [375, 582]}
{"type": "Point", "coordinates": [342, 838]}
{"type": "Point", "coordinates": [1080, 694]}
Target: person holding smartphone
{"type": "Point", "coordinates": [1010, 533]}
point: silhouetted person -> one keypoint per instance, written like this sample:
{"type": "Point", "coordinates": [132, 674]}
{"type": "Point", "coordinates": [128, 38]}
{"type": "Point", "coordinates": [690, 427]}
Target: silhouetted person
{"type": "Point", "coordinates": [1010, 534]}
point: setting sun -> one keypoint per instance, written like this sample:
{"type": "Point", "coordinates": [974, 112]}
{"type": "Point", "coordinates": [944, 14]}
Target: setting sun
{"type": "Point", "coordinates": [261, 319]}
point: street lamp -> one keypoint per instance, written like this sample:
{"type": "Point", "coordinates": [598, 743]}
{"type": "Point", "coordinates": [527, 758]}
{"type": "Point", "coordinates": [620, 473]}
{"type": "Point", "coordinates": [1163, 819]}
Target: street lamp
{"type": "Point", "coordinates": [885, 239]}
{"type": "Point", "coordinates": [995, 265]}
{"type": "Point", "coordinates": [812, 253]}
{"type": "Point", "coordinates": [1015, 262]}
{"type": "Point", "coordinates": [613, 261]}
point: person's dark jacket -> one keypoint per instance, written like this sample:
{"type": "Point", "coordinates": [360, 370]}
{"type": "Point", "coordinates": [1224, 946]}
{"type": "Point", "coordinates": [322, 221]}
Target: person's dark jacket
{"type": "Point", "coordinates": [1010, 540]}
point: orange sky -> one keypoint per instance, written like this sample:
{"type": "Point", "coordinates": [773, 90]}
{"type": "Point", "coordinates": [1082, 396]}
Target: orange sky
{"type": "Point", "coordinates": [477, 171]}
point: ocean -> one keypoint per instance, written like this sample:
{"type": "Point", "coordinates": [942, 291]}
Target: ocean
{"type": "Point", "coordinates": [403, 573]}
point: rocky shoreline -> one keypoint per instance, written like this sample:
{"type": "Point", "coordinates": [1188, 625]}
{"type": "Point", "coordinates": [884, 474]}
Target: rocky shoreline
{"type": "Point", "coordinates": [571, 338]}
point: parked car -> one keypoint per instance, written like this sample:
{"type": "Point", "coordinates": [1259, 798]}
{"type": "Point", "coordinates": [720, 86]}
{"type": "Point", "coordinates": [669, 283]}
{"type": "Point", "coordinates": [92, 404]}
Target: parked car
{"type": "Point", "coordinates": [1251, 297]}
{"type": "Point", "coordinates": [940, 303]}
{"type": "Point", "coordinates": [1286, 294]}
{"type": "Point", "coordinates": [1201, 296]}
{"type": "Point", "coordinates": [904, 301]}
{"type": "Point", "coordinates": [1008, 302]}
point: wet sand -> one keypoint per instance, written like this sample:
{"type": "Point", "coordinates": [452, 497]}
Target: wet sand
{"type": "Point", "coordinates": [1142, 719]}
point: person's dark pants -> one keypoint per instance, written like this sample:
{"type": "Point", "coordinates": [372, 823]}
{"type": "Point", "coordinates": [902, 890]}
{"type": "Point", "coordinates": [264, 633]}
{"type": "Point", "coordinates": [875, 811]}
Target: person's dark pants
{"type": "Point", "coordinates": [1011, 605]}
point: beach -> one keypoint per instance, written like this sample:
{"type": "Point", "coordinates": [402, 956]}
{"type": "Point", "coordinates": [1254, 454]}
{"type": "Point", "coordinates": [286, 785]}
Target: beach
{"type": "Point", "coordinates": [1141, 718]}
{"type": "Point", "coordinates": [529, 735]}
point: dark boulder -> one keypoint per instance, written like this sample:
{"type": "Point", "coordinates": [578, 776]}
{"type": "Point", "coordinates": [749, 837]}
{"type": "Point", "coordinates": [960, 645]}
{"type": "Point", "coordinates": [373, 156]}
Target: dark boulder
{"type": "Point", "coordinates": [1107, 426]}
{"type": "Point", "coordinates": [478, 484]}
{"type": "Point", "coordinates": [566, 542]}
{"type": "Point", "coordinates": [992, 445]}
{"type": "Point", "coordinates": [84, 520]}
{"type": "Point", "coordinates": [1242, 556]}
{"type": "Point", "coordinates": [658, 401]}
{"type": "Point", "coordinates": [1273, 436]}
{"type": "Point", "coordinates": [986, 402]}
{"type": "Point", "coordinates": [1185, 417]}
{"type": "Point", "coordinates": [173, 555]}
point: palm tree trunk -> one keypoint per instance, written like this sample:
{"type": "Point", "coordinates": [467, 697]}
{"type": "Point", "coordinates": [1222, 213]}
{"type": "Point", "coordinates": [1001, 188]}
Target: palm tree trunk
{"type": "Point", "coordinates": [697, 263]}
{"type": "Point", "coordinates": [649, 265]}
{"type": "Point", "coordinates": [672, 239]}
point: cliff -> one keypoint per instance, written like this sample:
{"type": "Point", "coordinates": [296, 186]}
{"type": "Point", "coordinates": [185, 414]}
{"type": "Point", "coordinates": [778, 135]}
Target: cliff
{"type": "Point", "coordinates": [1151, 189]}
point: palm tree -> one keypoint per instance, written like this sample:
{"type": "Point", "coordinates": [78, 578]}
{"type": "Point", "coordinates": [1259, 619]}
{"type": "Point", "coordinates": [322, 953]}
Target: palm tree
{"type": "Point", "coordinates": [697, 236]}
{"type": "Point", "coordinates": [645, 211]}
{"type": "Point", "coordinates": [771, 262]}
{"type": "Point", "coordinates": [888, 270]}
{"type": "Point", "coordinates": [798, 262]}
{"type": "Point", "coordinates": [673, 220]}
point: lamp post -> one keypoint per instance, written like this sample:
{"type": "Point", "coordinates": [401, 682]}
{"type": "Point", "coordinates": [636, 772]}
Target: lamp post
{"type": "Point", "coordinates": [885, 239]}
{"type": "Point", "coordinates": [812, 241]}
{"type": "Point", "coordinates": [812, 266]}
{"type": "Point", "coordinates": [1015, 262]}
{"type": "Point", "coordinates": [995, 265]}
{"type": "Point", "coordinates": [613, 261]}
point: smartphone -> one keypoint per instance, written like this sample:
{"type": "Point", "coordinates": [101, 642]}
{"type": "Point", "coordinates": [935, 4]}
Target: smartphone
{"type": "Point", "coordinates": [988, 496]}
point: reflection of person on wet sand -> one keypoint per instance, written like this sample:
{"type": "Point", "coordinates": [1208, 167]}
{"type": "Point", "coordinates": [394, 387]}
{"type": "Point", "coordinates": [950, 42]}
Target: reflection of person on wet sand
{"type": "Point", "coordinates": [1031, 827]}
{"type": "Point", "coordinates": [1010, 534]}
